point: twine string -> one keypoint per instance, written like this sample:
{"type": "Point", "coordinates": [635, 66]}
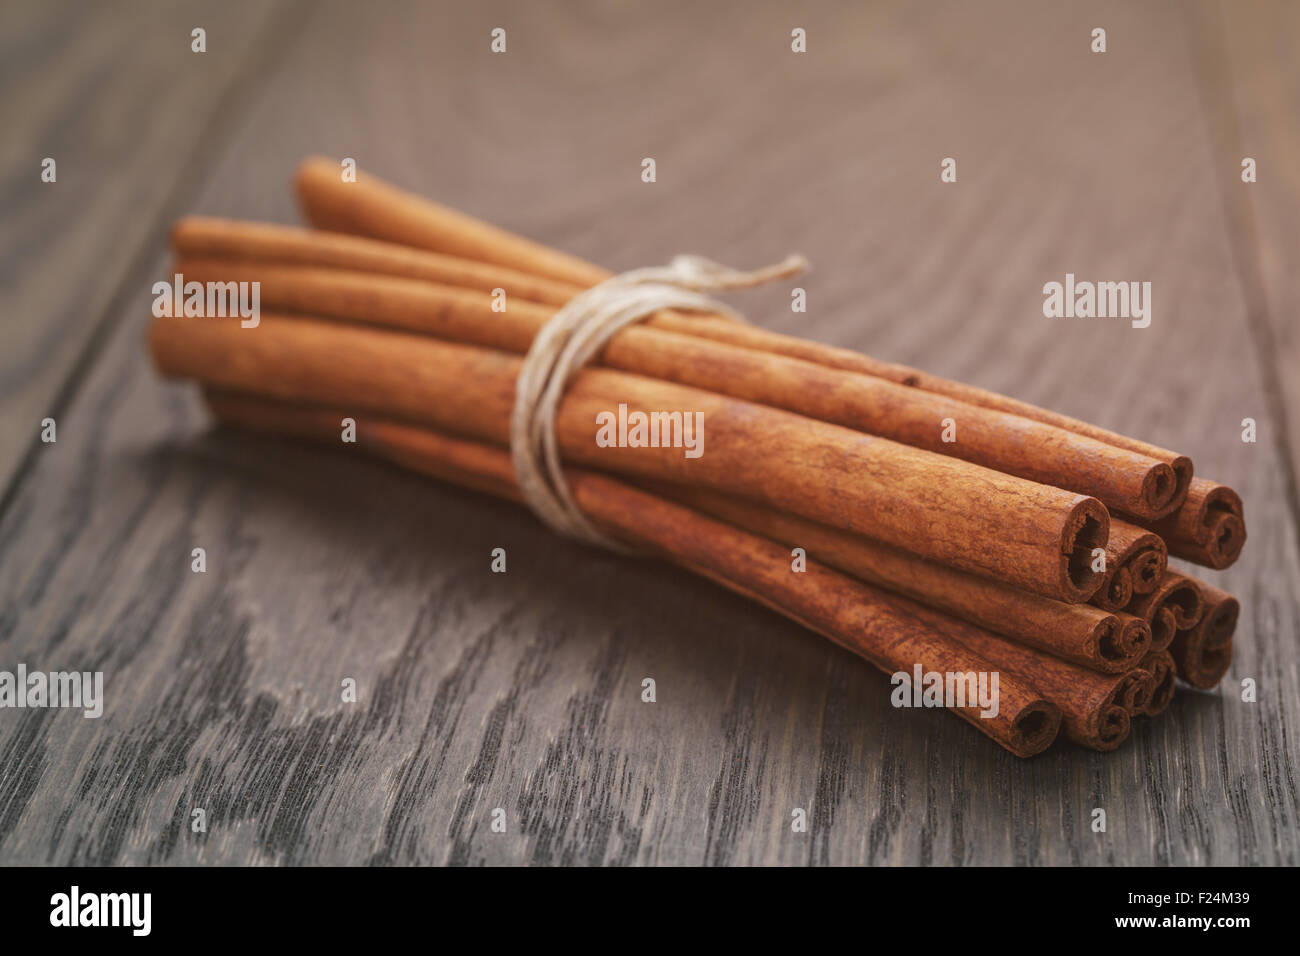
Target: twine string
{"type": "Point", "coordinates": [576, 333]}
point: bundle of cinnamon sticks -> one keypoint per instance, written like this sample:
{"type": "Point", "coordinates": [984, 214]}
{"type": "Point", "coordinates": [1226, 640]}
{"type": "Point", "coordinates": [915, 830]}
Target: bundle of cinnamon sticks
{"type": "Point", "coordinates": [932, 527]}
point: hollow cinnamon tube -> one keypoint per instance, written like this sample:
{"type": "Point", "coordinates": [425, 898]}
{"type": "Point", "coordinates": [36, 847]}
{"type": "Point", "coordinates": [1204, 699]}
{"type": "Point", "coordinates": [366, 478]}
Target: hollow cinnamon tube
{"type": "Point", "coordinates": [208, 237]}
{"type": "Point", "coordinates": [1203, 653]}
{"type": "Point", "coordinates": [1159, 690]}
{"type": "Point", "coordinates": [1093, 706]}
{"type": "Point", "coordinates": [1005, 443]}
{"type": "Point", "coordinates": [1035, 536]}
{"type": "Point", "coordinates": [873, 624]}
{"type": "Point", "coordinates": [1116, 591]}
{"type": "Point", "coordinates": [1177, 594]}
{"type": "Point", "coordinates": [1080, 633]}
{"type": "Point", "coordinates": [373, 208]}
{"type": "Point", "coordinates": [1163, 628]}
{"type": "Point", "coordinates": [1143, 553]}
{"type": "Point", "coordinates": [1209, 527]}
{"type": "Point", "coordinates": [1135, 562]}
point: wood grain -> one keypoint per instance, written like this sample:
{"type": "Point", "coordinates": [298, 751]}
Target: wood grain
{"type": "Point", "coordinates": [522, 690]}
{"type": "Point", "coordinates": [129, 113]}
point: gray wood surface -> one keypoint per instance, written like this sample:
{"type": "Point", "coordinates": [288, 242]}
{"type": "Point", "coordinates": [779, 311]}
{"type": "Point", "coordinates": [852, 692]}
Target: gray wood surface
{"type": "Point", "coordinates": [522, 691]}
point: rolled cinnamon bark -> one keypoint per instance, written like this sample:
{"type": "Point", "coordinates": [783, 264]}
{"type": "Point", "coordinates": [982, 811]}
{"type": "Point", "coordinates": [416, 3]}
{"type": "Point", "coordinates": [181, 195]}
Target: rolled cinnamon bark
{"type": "Point", "coordinates": [1177, 594]}
{"type": "Point", "coordinates": [1094, 707]}
{"type": "Point", "coordinates": [1015, 446]}
{"type": "Point", "coordinates": [1135, 687]}
{"type": "Point", "coordinates": [1081, 633]}
{"type": "Point", "coordinates": [1203, 653]}
{"type": "Point", "coordinates": [1143, 553]}
{"type": "Point", "coordinates": [1163, 628]}
{"type": "Point", "coordinates": [209, 237]}
{"type": "Point", "coordinates": [1209, 527]}
{"type": "Point", "coordinates": [882, 628]}
{"type": "Point", "coordinates": [370, 207]}
{"type": "Point", "coordinates": [1116, 591]}
{"type": "Point", "coordinates": [1035, 536]}
{"type": "Point", "coordinates": [1135, 563]}
{"type": "Point", "coordinates": [1159, 689]}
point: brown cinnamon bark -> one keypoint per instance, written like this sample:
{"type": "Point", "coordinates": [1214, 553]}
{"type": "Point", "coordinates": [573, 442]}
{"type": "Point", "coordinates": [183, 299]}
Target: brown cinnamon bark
{"type": "Point", "coordinates": [1081, 633]}
{"type": "Point", "coordinates": [1203, 653]}
{"type": "Point", "coordinates": [884, 629]}
{"type": "Point", "coordinates": [208, 237]}
{"type": "Point", "coordinates": [1035, 536]}
{"type": "Point", "coordinates": [1163, 628]}
{"type": "Point", "coordinates": [1177, 594]}
{"type": "Point", "coordinates": [370, 207]}
{"type": "Point", "coordinates": [1143, 553]}
{"type": "Point", "coordinates": [1135, 563]}
{"type": "Point", "coordinates": [1159, 690]}
{"type": "Point", "coordinates": [1093, 706]}
{"type": "Point", "coordinates": [1015, 446]}
{"type": "Point", "coordinates": [1209, 527]}
{"type": "Point", "coordinates": [1116, 591]}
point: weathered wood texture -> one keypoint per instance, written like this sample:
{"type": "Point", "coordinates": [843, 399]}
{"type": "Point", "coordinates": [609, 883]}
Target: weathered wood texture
{"type": "Point", "coordinates": [522, 690]}
{"type": "Point", "coordinates": [114, 94]}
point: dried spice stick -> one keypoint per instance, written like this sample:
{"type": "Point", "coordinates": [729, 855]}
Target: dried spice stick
{"type": "Point", "coordinates": [883, 628]}
{"type": "Point", "coordinates": [1035, 536]}
{"type": "Point", "coordinates": [1177, 594]}
{"type": "Point", "coordinates": [1203, 653]}
{"type": "Point", "coordinates": [1005, 443]}
{"type": "Point", "coordinates": [1163, 628]}
{"type": "Point", "coordinates": [1135, 562]}
{"type": "Point", "coordinates": [1116, 591]}
{"type": "Point", "coordinates": [1159, 691]}
{"type": "Point", "coordinates": [1144, 554]}
{"type": "Point", "coordinates": [1095, 708]}
{"type": "Point", "coordinates": [369, 207]}
{"type": "Point", "coordinates": [1081, 633]}
{"type": "Point", "coordinates": [1209, 528]}
{"type": "Point", "coordinates": [207, 237]}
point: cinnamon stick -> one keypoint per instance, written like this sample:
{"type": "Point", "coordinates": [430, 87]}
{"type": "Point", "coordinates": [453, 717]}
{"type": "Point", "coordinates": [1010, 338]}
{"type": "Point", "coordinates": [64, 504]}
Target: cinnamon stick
{"type": "Point", "coordinates": [1095, 708]}
{"type": "Point", "coordinates": [1135, 563]}
{"type": "Point", "coordinates": [1035, 536]}
{"type": "Point", "coordinates": [210, 237]}
{"type": "Point", "coordinates": [1116, 591]}
{"type": "Point", "coordinates": [373, 208]}
{"type": "Point", "coordinates": [1163, 628]}
{"type": "Point", "coordinates": [1081, 633]}
{"type": "Point", "coordinates": [880, 627]}
{"type": "Point", "coordinates": [1176, 593]}
{"type": "Point", "coordinates": [995, 440]}
{"type": "Point", "coordinates": [1159, 691]}
{"type": "Point", "coordinates": [1203, 652]}
{"type": "Point", "coordinates": [1209, 527]}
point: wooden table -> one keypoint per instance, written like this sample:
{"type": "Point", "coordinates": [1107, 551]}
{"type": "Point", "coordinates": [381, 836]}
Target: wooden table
{"type": "Point", "coordinates": [522, 691]}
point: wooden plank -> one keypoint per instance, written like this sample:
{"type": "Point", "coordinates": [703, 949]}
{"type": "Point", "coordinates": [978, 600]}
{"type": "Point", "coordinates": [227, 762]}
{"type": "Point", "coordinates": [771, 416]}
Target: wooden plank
{"type": "Point", "coordinates": [1251, 87]}
{"type": "Point", "coordinates": [117, 98]}
{"type": "Point", "coordinates": [522, 691]}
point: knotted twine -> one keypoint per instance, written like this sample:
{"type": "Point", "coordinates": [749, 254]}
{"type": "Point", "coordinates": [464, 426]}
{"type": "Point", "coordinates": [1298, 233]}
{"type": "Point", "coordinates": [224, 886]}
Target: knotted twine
{"type": "Point", "coordinates": [567, 342]}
